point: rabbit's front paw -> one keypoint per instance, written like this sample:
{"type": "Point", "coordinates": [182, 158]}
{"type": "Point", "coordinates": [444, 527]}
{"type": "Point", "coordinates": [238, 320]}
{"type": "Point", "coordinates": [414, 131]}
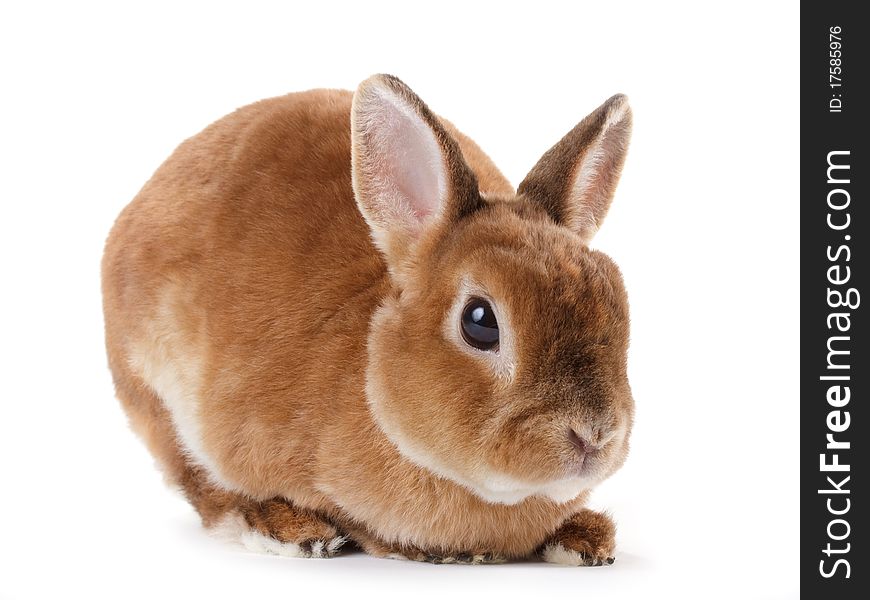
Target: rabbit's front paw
{"type": "Point", "coordinates": [586, 539]}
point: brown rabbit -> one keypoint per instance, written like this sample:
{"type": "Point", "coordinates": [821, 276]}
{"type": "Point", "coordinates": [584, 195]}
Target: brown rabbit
{"type": "Point", "coordinates": [330, 317]}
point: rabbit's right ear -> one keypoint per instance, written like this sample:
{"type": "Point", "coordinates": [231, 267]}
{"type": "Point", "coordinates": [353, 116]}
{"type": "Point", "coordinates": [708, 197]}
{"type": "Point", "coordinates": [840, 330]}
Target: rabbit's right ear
{"type": "Point", "coordinates": [575, 179]}
{"type": "Point", "coordinates": [408, 172]}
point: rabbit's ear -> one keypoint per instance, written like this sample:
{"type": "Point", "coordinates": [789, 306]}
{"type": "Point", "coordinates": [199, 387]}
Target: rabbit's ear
{"type": "Point", "coordinates": [408, 172]}
{"type": "Point", "coordinates": [575, 179]}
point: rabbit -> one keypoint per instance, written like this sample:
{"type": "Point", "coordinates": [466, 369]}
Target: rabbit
{"type": "Point", "coordinates": [331, 318]}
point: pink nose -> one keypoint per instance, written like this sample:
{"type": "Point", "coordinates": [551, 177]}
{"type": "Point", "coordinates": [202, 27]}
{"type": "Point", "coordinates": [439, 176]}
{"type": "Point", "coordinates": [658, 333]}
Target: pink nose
{"type": "Point", "coordinates": [581, 444]}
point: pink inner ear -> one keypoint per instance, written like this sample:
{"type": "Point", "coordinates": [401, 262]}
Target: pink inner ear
{"type": "Point", "coordinates": [596, 179]}
{"type": "Point", "coordinates": [407, 161]}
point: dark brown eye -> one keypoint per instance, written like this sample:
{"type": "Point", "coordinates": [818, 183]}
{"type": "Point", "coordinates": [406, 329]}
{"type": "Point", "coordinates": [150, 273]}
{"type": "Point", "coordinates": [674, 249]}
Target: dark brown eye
{"type": "Point", "coordinates": [479, 327]}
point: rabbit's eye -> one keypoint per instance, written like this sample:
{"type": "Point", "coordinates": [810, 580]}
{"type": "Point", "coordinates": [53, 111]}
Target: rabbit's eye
{"type": "Point", "coordinates": [479, 327]}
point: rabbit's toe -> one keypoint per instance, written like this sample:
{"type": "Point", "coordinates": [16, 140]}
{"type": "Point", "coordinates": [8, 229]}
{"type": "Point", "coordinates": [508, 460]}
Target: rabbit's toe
{"type": "Point", "coordinates": [587, 538]}
{"type": "Point", "coordinates": [559, 554]}
{"type": "Point", "coordinates": [276, 527]}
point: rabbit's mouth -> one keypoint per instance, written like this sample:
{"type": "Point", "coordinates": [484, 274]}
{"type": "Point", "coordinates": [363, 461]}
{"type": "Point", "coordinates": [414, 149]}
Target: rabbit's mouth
{"type": "Point", "coordinates": [584, 449]}
{"type": "Point", "coordinates": [590, 451]}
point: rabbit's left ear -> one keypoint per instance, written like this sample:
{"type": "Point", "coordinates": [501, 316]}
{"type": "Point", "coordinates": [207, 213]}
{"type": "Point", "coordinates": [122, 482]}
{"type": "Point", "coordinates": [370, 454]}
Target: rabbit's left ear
{"type": "Point", "coordinates": [575, 179]}
{"type": "Point", "coordinates": [408, 172]}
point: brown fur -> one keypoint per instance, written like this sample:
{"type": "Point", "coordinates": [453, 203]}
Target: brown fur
{"type": "Point", "coordinates": [245, 261]}
{"type": "Point", "coordinates": [591, 534]}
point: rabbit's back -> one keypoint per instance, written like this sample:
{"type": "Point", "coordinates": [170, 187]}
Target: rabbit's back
{"type": "Point", "coordinates": [238, 287]}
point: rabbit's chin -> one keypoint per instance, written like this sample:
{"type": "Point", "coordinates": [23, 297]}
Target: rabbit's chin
{"type": "Point", "coordinates": [490, 485]}
{"type": "Point", "coordinates": [504, 489]}
{"type": "Point", "coordinates": [578, 477]}
{"type": "Point", "coordinates": [499, 488]}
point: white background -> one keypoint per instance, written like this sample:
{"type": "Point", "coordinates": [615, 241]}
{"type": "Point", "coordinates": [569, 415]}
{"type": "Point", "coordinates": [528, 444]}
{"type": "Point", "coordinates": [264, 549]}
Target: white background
{"type": "Point", "coordinates": [704, 226]}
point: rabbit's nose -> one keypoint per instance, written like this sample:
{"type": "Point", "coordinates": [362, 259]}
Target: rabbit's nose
{"type": "Point", "coordinates": [582, 443]}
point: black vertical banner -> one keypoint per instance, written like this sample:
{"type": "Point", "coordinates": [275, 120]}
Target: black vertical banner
{"type": "Point", "coordinates": [835, 370]}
